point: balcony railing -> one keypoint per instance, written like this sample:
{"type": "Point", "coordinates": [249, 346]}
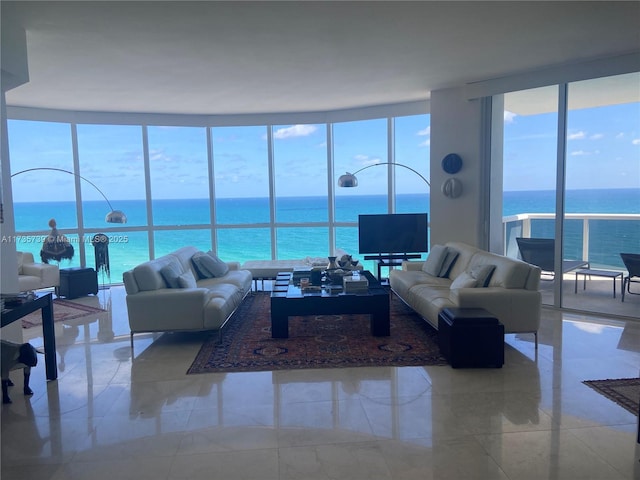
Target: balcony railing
{"type": "Point", "coordinates": [598, 238]}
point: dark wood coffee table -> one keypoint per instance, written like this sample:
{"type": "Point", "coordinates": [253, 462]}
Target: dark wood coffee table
{"type": "Point", "coordinates": [288, 300]}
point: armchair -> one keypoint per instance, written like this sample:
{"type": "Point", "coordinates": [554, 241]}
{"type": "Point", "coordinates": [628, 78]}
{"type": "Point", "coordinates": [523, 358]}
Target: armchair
{"type": "Point", "coordinates": [33, 276]}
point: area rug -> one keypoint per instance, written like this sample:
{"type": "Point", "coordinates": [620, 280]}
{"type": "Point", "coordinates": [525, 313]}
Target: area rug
{"type": "Point", "coordinates": [321, 341]}
{"type": "Point", "coordinates": [624, 391]}
{"type": "Point", "coordinates": [62, 310]}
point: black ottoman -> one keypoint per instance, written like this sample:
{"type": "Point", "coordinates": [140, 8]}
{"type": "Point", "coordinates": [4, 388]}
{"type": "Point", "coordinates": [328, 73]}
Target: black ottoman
{"type": "Point", "coordinates": [77, 282]}
{"type": "Point", "coordinates": [471, 337]}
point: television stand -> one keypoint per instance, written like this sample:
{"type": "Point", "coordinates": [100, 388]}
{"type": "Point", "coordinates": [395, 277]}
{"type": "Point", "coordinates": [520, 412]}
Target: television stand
{"type": "Point", "coordinates": [390, 261]}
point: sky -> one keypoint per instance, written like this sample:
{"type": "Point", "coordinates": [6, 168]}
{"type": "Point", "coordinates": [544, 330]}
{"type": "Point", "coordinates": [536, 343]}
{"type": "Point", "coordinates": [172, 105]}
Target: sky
{"type": "Point", "coordinates": [603, 151]}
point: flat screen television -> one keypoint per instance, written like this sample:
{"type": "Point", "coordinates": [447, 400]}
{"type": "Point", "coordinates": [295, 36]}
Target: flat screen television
{"type": "Point", "coordinates": [393, 233]}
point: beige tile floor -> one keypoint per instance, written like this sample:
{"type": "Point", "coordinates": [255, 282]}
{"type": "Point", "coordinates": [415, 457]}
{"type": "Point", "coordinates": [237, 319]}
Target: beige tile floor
{"type": "Point", "coordinates": [110, 417]}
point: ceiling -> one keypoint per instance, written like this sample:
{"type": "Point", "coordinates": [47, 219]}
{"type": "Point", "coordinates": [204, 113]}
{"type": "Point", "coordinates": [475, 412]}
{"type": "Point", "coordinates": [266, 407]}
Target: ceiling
{"type": "Point", "coordinates": [241, 57]}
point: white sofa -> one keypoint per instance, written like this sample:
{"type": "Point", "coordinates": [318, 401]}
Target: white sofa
{"type": "Point", "coordinates": [205, 304]}
{"type": "Point", "coordinates": [511, 293]}
{"type": "Point", "coordinates": [33, 276]}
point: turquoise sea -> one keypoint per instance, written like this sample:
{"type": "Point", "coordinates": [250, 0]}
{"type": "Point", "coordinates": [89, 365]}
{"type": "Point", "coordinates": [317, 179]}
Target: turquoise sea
{"type": "Point", "coordinates": [243, 231]}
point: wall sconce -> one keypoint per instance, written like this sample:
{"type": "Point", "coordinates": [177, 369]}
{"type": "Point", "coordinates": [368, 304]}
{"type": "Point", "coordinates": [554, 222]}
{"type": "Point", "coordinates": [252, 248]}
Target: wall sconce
{"type": "Point", "coordinates": [452, 188]}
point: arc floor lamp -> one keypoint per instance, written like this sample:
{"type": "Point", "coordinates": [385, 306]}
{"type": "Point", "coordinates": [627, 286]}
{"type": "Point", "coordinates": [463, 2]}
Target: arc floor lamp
{"type": "Point", "coordinates": [349, 180]}
{"type": "Point", "coordinates": [114, 216]}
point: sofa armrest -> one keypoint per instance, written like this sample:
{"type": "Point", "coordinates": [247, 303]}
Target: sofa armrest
{"type": "Point", "coordinates": [49, 275]}
{"type": "Point", "coordinates": [518, 309]}
{"type": "Point", "coordinates": [478, 297]}
{"type": "Point", "coordinates": [409, 265]}
{"type": "Point", "coordinates": [167, 309]}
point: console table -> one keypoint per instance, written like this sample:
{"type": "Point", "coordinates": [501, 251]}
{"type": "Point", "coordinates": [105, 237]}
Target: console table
{"type": "Point", "coordinates": [390, 261]}
{"type": "Point", "coordinates": [44, 302]}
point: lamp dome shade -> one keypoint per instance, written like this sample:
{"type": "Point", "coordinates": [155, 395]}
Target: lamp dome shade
{"type": "Point", "coordinates": [347, 180]}
{"type": "Point", "coordinates": [116, 216]}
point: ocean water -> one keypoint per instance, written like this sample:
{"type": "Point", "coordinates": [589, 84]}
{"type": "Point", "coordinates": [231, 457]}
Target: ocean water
{"type": "Point", "coordinates": [244, 232]}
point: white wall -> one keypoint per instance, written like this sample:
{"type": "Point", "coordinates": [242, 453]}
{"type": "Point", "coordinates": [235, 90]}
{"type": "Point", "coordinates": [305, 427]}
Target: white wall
{"type": "Point", "coordinates": [13, 73]}
{"type": "Point", "coordinates": [456, 128]}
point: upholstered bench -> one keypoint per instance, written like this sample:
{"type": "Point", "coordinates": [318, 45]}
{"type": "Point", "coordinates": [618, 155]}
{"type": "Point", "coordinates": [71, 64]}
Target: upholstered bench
{"type": "Point", "coordinates": [268, 269]}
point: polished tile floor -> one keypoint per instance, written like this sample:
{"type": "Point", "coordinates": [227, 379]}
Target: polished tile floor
{"type": "Point", "coordinates": [109, 416]}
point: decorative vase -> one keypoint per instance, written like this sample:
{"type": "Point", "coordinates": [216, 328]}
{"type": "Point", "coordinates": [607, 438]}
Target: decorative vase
{"type": "Point", "coordinates": [332, 263]}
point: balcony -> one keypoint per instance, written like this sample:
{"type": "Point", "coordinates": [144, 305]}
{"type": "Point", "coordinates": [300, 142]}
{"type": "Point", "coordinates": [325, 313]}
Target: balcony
{"type": "Point", "coordinates": [593, 237]}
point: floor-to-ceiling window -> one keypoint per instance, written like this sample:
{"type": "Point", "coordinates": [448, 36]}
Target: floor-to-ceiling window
{"type": "Point", "coordinates": [591, 152]}
{"type": "Point", "coordinates": [602, 182]}
{"type": "Point", "coordinates": [247, 192]}
{"type": "Point", "coordinates": [241, 192]}
{"type": "Point", "coordinates": [412, 136]}
{"type": "Point", "coordinates": [111, 156]}
{"type": "Point", "coordinates": [530, 172]}
{"type": "Point", "coordinates": [301, 190]}
{"type": "Point", "coordinates": [357, 145]}
{"type": "Point", "coordinates": [42, 195]}
{"type": "Point", "coordinates": [179, 180]}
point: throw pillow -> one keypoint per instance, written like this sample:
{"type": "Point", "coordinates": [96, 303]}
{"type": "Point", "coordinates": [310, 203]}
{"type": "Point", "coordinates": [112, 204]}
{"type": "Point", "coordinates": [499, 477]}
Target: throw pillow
{"type": "Point", "coordinates": [464, 280]}
{"type": "Point", "coordinates": [187, 280]}
{"type": "Point", "coordinates": [199, 260]}
{"type": "Point", "coordinates": [448, 262]}
{"type": "Point", "coordinates": [482, 274]}
{"type": "Point", "coordinates": [170, 274]}
{"type": "Point", "coordinates": [218, 268]}
{"type": "Point", "coordinates": [433, 263]}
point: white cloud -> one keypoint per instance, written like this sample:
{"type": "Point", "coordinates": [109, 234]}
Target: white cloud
{"type": "Point", "coordinates": [576, 136]}
{"type": "Point", "coordinates": [635, 141]}
{"type": "Point", "coordinates": [294, 131]}
{"type": "Point", "coordinates": [426, 131]}
{"type": "Point", "coordinates": [620, 135]}
{"type": "Point", "coordinates": [158, 155]}
{"type": "Point", "coordinates": [366, 159]}
{"type": "Point", "coordinates": [426, 143]}
{"type": "Point", "coordinates": [578, 153]}
{"type": "Point", "coordinates": [596, 136]}
{"type": "Point", "coordinates": [509, 117]}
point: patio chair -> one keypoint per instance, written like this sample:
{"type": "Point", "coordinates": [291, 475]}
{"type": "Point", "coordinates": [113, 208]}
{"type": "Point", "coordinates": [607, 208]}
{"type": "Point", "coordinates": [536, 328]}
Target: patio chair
{"type": "Point", "coordinates": [541, 252]}
{"type": "Point", "coordinates": [632, 264]}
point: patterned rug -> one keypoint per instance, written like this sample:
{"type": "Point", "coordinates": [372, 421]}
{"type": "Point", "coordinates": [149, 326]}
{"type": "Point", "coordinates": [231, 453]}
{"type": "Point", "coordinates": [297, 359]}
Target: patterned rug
{"type": "Point", "coordinates": [62, 310]}
{"type": "Point", "coordinates": [624, 391]}
{"type": "Point", "coordinates": [322, 341]}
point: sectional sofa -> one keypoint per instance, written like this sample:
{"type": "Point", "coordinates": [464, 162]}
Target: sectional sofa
{"type": "Point", "coordinates": [185, 290]}
{"type": "Point", "coordinates": [457, 275]}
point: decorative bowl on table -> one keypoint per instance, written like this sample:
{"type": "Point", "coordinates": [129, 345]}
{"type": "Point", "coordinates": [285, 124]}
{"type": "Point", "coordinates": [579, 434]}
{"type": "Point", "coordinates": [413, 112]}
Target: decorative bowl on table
{"type": "Point", "coordinates": [334, 276]}
{"type": "Point", "coordinates": [347, 262]}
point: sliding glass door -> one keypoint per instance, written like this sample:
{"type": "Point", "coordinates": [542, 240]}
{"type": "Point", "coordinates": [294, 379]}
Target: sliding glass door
{"type": "Point", "coordinates": [602, 204]}
{"type": "Point", "coordinates": [571, 168]}
{"type": "Point", "coordinates": [529, 180]}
